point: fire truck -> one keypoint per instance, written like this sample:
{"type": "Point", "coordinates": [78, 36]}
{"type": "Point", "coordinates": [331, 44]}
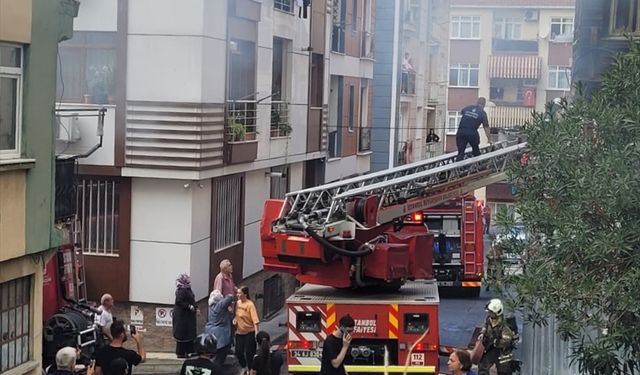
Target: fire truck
{"type": "Point", "coordinates": [458, 246]}
{"type": "Point", "coordinates": [348, 243]}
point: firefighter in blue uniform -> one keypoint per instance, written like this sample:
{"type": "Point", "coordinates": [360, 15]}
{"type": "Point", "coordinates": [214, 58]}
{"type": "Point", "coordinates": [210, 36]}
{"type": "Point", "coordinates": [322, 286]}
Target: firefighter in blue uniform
{"type": "Point", "coordinates": [472, 117]}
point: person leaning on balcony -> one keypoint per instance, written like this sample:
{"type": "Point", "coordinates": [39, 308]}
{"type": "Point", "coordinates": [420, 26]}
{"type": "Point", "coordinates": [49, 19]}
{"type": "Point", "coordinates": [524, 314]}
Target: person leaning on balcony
{"type": "Point", "coordinates": [472, 117]}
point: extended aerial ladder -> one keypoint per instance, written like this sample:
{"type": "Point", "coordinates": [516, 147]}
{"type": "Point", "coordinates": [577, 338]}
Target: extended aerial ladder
{"type": "Point", "coordinates": [346, 233]}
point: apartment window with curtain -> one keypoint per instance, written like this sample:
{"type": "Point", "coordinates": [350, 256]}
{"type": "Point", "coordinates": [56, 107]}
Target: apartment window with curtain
{"type": "Point", "coordinates": [10, 100]}
{"type": "Point", "coordinates": [284, 5]}
{"type": "Point", "coordinates": [86, 68]}
{"type": "Point", "coordinates": [15, 323]}
{"type": "Point", "coordinates": [463, 75]}
{"type": "Point", "coordinates": [227, 206]}
{"type": "Point", "coordinates": [561, 26]}
{"type": "Point", "coordinates": [559, 77]}
{"type": "Point", "coordinates": [507, 28]}
{"type": "Point", "coordinates": [454, 118]}
{"type": "Point", "coordinates": [465, 27]}
{"type": "Point", "coordinates": [280, 124]}
{"type": "Point", "coordinates": [339, 25]}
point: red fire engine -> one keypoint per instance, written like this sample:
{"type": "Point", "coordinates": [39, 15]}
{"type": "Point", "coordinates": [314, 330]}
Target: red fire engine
{"type": "Point", "coordinates": [349, 242]}
{"type": "Point", "coordinates": [458, 246]}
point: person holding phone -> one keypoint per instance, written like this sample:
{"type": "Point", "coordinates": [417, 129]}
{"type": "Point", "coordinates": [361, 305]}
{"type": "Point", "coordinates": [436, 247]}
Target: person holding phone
{"type": "Point", "coordinates": [105, 356]}
{"type": "Point", "coordinates": [334, 350]}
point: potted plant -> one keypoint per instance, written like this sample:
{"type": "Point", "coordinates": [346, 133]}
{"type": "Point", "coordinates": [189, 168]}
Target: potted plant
{"type": "Point", "coordinates": [101, 83]}
{"type": "Point", "coordinates": [235, 130]}
{"type": "Point", "coordinates": [239, 149]}
{"type": "Point", "coordinates": [279, 128]}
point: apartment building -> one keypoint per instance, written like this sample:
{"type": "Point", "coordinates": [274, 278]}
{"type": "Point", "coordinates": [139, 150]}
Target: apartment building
{"type": "Point", "coordinates": [410, 80]}
{"type": "Point", "coordinates": [515, 53]}
{"type": "Point", "coordinates": [32, 217]}
{"type": "Point", "coordinates": [350, 66]}
{"type": "Point", "coordinates": [213, 107]}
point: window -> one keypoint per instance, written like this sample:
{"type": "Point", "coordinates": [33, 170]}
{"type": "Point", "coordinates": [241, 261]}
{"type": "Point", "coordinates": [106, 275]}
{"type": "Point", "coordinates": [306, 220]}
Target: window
{"type": "Point", "coordinates": [10, 100]}
{"type": "Point", "coordinates": [354, 15]}
{"type": "Point", "coordinates": [559, 77]}
{"type": "Point", "coordinates": [99, 214]}
{"type": "Point", "coordinates": [280, 126]}
{"type": "Point", "coordinates": [561, 26]}
{"type": "Point", "coordinates": [317, 80]}
{"type": "Point", "coordinates": [227, 195]}
{"type": "Point", "coordinates": [352, 100]}
{"type": "Point", "coordinates": [463, 75]}
{"type": "Point", "coordinates": [339, 21]}
{"type": "Point", "coordinates": [507, 28]}
{"type": "Point", "coordinates": [465, 27]}
{"type": "Point", "coordinates": [242, 69]}
{"type": "Point", "coordinates": [284, 5]}
{"type": "Point", "coordinates": [86, 68]}
{"type": "Point", "coordinates": [279, 182]}
{"type": "Point", "coordinates": [623, 17]}
{"type": "Point", "coordinates": [15, 323]}
{"type": "Point", "coordinates": [454, 120]}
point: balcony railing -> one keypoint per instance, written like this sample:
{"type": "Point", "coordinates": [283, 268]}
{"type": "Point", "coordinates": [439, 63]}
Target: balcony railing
{"type": "Point", "coordinates": [408, 84]}
{"type": "Point", "coordinates": [364, 139]}
{"type": "Point", "coordinates": [280, 125]}
{"type": "Point", "coordinates": [241, 120]}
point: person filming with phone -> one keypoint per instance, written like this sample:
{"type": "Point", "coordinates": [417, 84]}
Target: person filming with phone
{"type": "Point", "coordinates": [106, 356]}
{"type": "Point", "coordinates": [336, 346]}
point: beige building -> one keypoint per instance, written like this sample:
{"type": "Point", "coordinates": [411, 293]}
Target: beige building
{"type": "Point", "coordinates": [517, 54]}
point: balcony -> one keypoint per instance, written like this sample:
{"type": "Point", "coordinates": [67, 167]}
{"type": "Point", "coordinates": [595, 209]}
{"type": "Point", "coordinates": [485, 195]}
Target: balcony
{"type": "Point", "coordinates": [364, 139]}
{"type": "Point", "coordinates": [280, 124]}
{"type": "Point", "coordinates": [515, 46]}
{"type": "Point", "coordinates": [240, 131]}
{"type": "Point", "coordinates": [366, 45]}
{"type": "Point", "coordinates": [408, 84]}
{"type": "Point", "coordinates": [514, 67]}
{"type": "Point", "coordinates": [508, 117]}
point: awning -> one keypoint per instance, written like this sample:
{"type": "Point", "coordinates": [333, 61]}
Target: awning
{"type": "Point", "coordinates": [514, 67]}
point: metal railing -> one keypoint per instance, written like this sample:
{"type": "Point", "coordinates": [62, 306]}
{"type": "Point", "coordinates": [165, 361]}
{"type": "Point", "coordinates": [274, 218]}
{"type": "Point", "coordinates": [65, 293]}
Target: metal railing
{"type": "Point", "coordinates": [241, 120]}
{"type": "Point", "coordinates": [280, 126]}
{"type": "Point", "coordinates": [364, 139]}
{"type": "Point", "coordinates": [408, 84]}
{"type": "Point", "coordinates": [98, 211]}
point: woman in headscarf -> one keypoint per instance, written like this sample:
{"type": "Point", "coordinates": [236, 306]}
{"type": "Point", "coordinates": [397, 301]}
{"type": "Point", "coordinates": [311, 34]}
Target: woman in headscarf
{"type": "Point", "coordinates": [219, 324]}
{"type": "Point", "coordinates": [184, 316]}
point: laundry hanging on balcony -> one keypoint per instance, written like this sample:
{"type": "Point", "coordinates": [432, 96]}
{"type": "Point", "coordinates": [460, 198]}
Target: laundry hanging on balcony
{"type": "Point", "coordinates": [514, 67]}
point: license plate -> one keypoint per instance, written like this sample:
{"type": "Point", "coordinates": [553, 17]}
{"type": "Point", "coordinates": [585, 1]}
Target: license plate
{"type": "Point", "coordinates": [301, 353]}
{"type": "Point", "coordinates": [417, 359]}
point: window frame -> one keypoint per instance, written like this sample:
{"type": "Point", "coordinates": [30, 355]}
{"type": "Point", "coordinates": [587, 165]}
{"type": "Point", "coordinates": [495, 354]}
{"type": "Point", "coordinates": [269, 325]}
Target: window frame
{"type": "Point", "coordinates": [563, 23]}
{"type": "Point", "coordinates": [460, 67]}
{"type": "Point", "coordinates": [281, 4]}
{"type": "Point", "coordinates": [17, 74]}
{"type": "Point", "coordinates": [456, 116]}
{"type": "Point", "coordinates": [456, 25]}
{"type": "Point", "coordinates": [506, 23]}
{"type": "Point", "coordinates": [25, 283]}
{"type": "Point", "coordinates": [556, 71]}
{"type": "Point", "coordinates": [221, 191]}
{"type": "Point", "coordinates": [635, 6]}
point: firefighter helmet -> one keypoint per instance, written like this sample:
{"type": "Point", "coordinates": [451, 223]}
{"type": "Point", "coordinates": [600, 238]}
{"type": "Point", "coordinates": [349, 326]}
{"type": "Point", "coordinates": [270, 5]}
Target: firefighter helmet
{"type": "Point", "coordinates": [205, 343]}
{"type": "Point", "coordinates": [495, 306]}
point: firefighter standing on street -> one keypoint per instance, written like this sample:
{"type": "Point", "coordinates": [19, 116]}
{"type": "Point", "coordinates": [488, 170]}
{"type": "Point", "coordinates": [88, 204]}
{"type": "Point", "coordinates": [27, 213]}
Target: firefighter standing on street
{"type": "Point", "coordinates": [498, 340]}
{"type": "Point", "coordinates": [472, 117]}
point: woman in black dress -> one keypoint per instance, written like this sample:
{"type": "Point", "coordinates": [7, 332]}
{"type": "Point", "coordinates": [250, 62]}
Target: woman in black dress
{"type": "Point", "coordinates": [184, 316]}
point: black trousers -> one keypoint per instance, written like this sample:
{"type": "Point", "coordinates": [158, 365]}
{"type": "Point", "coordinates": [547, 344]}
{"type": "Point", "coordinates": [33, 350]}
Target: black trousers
{"type": "Point", "coordinates": [489, 359]}
{"type": "Point", "coordinates": [470, 137]}
{"type": "Point", "coordinates": [246, 348]}
{"type": "Point", "coordinates": [184, 348]}
{"type": "Point", "coordinates": [221, 355]}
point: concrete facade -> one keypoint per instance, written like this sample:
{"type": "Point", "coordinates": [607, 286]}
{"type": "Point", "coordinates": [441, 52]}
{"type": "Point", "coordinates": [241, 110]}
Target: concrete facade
{"type": "Point", "coordinates": [29, 234]}
{"type": "Point", "coordinates": [409, 80]}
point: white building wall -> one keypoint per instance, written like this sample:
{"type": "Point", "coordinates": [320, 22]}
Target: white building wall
{"type": "Point", "coordinates": [170, 234]}
{"type": "Point", "coordinates": [97, 15]}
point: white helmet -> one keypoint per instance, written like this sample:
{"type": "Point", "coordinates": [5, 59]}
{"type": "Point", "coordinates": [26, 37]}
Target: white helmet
{"type": "Point", "coordinates": [495, 306]}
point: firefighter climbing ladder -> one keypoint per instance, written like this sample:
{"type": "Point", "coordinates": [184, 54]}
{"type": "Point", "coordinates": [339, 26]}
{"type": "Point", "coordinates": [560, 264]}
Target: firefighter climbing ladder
{"type": "Point", "coordinates": [403, 189]}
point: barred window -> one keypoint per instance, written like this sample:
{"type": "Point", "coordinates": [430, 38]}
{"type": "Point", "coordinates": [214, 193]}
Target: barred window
{"type": "Point", "coordinates": [227, 211]}
{"type": "Point", "coordinates": [279, 183]}
{"type": "Point", "coordinates": [99, 214]}
{"type": "Point", "coordinates": [15, 323]}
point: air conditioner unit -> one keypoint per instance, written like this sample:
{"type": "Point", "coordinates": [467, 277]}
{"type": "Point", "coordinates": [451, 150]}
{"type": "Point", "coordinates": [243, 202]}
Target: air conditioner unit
{"type": "Point", "coordinates": [531, 15]}
{"type": "Point", "coordinates": [68, 128]}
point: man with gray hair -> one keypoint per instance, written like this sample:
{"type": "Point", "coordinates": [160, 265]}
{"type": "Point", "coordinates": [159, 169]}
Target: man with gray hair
{"type": "Point", "coordinates": [105, 319]}
{"type": "Point", "coordinates": [224, 280]}
{"type": "Point", "coordinates": [66, 362]}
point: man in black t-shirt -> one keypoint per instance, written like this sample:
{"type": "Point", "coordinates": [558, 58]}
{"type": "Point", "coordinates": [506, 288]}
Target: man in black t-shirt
{"type": "Point", "coordinates": [105, 356]}
{"type": "Point", "coordinates": [335, 348]}
{"type": "Point", "coordinates": [472, 117]}
{"type": "Point", "coordinates": [205, 345]}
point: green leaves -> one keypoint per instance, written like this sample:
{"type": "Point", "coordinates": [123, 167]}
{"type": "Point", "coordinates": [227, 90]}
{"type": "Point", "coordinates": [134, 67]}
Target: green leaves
{"type": "Point", "coordinates": [580, 202]}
